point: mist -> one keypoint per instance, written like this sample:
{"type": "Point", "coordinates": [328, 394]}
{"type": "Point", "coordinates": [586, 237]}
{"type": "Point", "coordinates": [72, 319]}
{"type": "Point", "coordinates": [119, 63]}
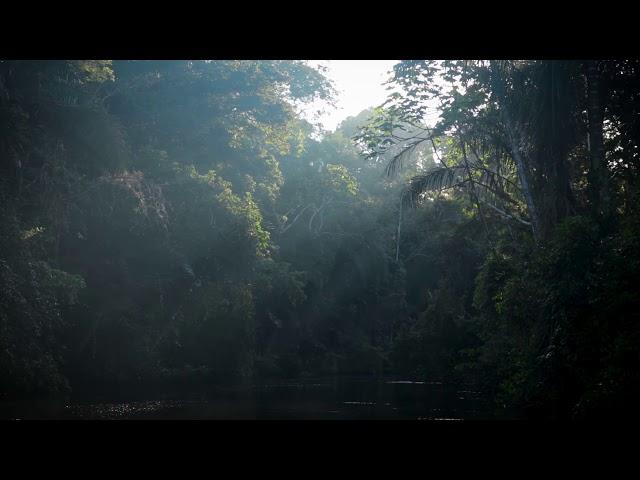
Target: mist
{"type": "Point", "coordinates": [186, 240]}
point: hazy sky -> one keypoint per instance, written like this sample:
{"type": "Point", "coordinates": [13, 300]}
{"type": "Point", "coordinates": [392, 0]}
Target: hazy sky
{"type": "Point", "coordinates": [359, 86]}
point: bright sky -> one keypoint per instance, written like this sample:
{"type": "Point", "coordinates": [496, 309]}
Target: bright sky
{"type": "Point", "coordinates": [359, 84]}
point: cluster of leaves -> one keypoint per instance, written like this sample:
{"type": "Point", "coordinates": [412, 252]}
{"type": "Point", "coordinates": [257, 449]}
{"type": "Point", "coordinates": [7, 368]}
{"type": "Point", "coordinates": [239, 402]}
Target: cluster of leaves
{"type": "Point", "coordinates": [176, 220]}
{"type": "Point", "coordinates": [147, 180]}
{"type": "Point", "coordinates": [191, 227]}
{"type": "Point", "coordinates": [540, 156]}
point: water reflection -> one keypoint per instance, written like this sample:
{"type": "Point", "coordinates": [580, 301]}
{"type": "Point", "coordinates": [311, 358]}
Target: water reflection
{"type": "Point", "coordinates": [322, 399]}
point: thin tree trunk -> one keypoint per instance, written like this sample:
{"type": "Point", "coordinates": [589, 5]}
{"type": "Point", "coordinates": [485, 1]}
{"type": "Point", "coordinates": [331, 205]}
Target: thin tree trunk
{"type": "Point", "coordinates": [398, 232]}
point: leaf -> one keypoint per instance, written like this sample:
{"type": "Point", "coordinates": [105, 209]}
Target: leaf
{"type": "Point", "coordinates": [438, 179]}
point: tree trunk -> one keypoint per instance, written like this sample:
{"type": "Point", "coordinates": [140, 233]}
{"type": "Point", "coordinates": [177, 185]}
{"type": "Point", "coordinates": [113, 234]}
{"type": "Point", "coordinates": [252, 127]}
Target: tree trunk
{"type": "Point", "coordinates": [523, 174]}
{"type": "Point", "coordinates": [398, 232]}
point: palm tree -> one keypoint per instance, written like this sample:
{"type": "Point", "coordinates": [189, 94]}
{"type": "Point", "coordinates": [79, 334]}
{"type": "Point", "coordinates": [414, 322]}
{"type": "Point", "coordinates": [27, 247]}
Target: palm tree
{"type": "Point", "coordinates": [512, 141]}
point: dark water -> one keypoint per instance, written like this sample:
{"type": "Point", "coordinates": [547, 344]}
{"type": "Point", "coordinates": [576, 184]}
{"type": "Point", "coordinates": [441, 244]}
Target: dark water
{"type": "Point", "coordinates": [322, 399]}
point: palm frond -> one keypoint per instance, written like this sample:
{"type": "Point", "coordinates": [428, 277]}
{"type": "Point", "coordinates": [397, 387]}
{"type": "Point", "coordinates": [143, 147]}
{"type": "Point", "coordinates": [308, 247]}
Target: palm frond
{"type": "Point", "coordinates": [437, 179]}
{"type": "Point", "coordinates": [497, 186]}
{"type": "Point", "coordinates": [397, 161]}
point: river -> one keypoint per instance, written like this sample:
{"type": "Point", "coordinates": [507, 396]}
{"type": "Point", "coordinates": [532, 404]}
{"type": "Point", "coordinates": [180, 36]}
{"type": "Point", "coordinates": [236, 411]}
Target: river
{"type": "Point", "coordinates": [367, 398]}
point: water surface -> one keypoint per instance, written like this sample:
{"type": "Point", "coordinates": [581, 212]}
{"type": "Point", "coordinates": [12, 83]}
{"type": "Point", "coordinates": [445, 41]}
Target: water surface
{"type": "Point", "coordinates": [366, 398]}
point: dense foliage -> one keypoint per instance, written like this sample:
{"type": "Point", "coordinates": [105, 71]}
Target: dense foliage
{"type": "Point", "coordinates": [177, 222]}
{"type": "Point", "coordinates": [544, 155]}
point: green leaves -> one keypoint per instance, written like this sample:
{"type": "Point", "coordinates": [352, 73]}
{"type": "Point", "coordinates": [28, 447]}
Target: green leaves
{"type": "Point", "coordinates": [435, 180]}
{"type": "Point", "coordinates": [68, 285]}
{"type": "Point", "coordinates": [97, 71]}
{"type": "Point", "coordinates": [341, 180]}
